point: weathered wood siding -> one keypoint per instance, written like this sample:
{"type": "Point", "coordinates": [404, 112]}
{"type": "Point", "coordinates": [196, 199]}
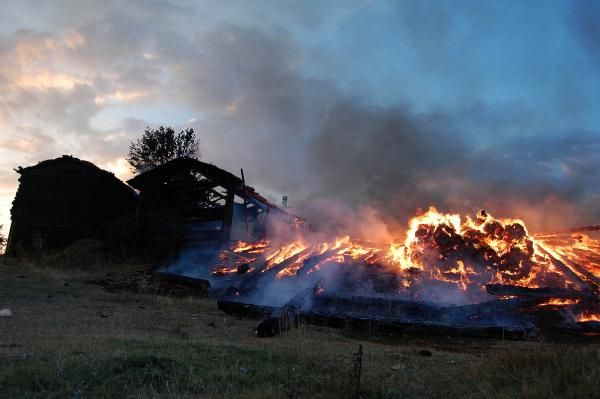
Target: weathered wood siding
{"type": "Point", "coordinates": [65, 199]}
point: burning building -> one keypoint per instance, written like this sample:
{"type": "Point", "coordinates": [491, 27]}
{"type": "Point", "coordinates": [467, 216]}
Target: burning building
{"type": "Point", "coordinates": [65, 199]}
{"type": "Point", "coordinates": [186, 203]}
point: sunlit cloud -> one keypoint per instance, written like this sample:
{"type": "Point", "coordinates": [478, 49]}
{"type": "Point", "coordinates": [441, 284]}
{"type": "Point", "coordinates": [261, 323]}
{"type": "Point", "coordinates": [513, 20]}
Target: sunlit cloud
{"type": "Point", "coordinates": [47, 79]}
{"type": "Point", "coordinates": [119, 167]}
{"type": "Point", "coordinates": [73, 39]}
{"type": "Point", "coordinates": [233, 106]}
{"type": "Point", "coordinates": [120, 96]}
{"type": "Point", "coordinates": [30, 50]}
{"type": "Point", "coordinates": [26, 139]}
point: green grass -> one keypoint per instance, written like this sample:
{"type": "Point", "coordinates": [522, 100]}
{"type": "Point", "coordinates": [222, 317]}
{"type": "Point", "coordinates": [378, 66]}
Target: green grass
{"type": "Point", "coordinates": [68, 339]}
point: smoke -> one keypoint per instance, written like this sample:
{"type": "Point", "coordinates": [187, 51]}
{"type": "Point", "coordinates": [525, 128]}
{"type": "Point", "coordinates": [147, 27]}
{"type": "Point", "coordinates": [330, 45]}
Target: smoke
{"type": "Point", "coordinates": [437, 106]}
{"type": "Point", "coordinates": [397, 163]}
{"type": "Point", "coordinates": [584, 22]}
{"type": "Point", "coordinates": [358, 160]}
{"type": "Point", "coordinates": [310, 139]}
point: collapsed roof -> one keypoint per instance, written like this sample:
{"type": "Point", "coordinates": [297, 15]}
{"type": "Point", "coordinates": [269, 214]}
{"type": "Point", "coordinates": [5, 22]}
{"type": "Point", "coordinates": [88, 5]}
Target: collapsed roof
{"type": "Point", "coordinates": [213, 177]}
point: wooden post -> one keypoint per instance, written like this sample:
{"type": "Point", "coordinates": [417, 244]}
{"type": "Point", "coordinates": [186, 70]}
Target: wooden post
{"type": "Point", "coordinates": [245, 202]}
{"type": "Point", "coordinates": [228, 217]}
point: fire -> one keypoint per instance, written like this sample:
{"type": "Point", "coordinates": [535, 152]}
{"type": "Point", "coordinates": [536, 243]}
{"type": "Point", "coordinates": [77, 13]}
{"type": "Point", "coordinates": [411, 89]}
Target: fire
{"type": "Point", "coordinates": [586, 316]}
{"type": "Point", "coordinates": [439, 249]}
{"type": "Point", "coordinates": [285, 252]}
{"type": "Point", "coordinates": [229, 262]}
{"type": "Point", "coordinates": [251, 248]}
{"type": "Point", "coordinates": [479, 251]}
{"type": "Point", "coordinates": [560, 302]}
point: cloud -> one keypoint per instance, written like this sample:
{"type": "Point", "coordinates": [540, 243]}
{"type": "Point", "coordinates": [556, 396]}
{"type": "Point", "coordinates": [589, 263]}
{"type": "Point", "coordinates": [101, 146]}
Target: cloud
{"type": "Point", "coordinates": [303, 136]}
{"type": "Point", "coordinates": [583, 20]}
{"type": "Point", "coordinates": [28, 140]}
{"type": "Point", "coordinates": [399, 162]}
{"type": "Point", "coordinates": [305, 108]}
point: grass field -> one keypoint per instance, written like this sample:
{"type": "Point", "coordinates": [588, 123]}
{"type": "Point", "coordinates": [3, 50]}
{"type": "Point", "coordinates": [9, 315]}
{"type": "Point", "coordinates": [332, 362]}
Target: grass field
{"type": "Point", "coordinates": [69, 339]}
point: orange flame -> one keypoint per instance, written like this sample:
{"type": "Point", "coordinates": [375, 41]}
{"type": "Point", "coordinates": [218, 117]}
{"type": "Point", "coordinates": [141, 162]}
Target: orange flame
{"type": "Point", "coordinates": [586, 316]}
{"type": "Point", "coordinates": [467, 253]}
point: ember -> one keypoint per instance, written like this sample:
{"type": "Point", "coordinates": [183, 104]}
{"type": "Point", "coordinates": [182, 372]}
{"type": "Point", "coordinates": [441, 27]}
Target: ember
{"type": "Point", "coordinates": [440, 246]}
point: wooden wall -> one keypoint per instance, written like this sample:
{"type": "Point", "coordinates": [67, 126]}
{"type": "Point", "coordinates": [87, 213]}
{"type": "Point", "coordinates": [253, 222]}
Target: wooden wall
{"type": "Point", "coordinates": [62, 200]}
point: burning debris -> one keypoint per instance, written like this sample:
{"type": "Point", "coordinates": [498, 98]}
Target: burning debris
{"type": "Point", "coordinates": [476, 273]}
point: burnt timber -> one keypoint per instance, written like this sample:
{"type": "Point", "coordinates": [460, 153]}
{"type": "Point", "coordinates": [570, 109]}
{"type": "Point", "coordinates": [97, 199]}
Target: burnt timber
{"type": "Point", "coordinates": [65, 199]}
{"type": "Point", "coordinates": [520, 317]}
{"type": "Point", "coordinates": [191, 282]}
{"type": "Point", "coordinates": [383, 316]}
{"type": "Point", "coordinates": [542, 292]}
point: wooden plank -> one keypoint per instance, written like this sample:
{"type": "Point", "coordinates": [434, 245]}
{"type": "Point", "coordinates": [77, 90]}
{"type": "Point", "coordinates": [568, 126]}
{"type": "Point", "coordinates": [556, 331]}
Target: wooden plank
{"type": "Point", "coordinates": [569, 273]}
{"type": "Point", "coordinates": [228, 215]}
{"type": "Point", "coordinates": [542, 292]}
{"type": "Point", "coordinates": [196, 283]}
{"type": "Point", "coordinates": [244, 309]}
{"type": "Point", "coordinates": [392, 316]}
{"type": "Point", "coordinates": [252, 281]}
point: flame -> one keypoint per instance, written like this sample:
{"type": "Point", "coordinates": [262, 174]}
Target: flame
{"type": "Point", "coordinates": [252, 248]}
{"type": "Point", "coordinates": [464, 253]}
{"type": "Point", "coordinates": [560, 302]}
{"type": "Point", "coordinates": [285, 253]}
{"type": "Point", "coordinates": [586, 316]}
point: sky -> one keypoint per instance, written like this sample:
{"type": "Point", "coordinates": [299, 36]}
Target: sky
{"type": "Point", "coordinates": [391, 105]}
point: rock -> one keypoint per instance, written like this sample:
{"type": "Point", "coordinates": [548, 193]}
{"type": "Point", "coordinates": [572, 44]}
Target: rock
{"type": "Point", "coordinates": [398, 367]}
{"type": "Point", "coordinates": [5, 313]}
{"type": "Point", "coordinates": [425, 353]}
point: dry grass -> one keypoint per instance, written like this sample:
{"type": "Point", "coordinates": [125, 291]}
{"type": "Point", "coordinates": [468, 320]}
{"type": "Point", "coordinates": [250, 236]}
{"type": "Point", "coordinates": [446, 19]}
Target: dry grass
{"type": "Point", "coordinates": [72, 340]}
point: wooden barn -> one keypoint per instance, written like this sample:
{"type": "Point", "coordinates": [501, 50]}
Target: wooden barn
{"type": "Point", "coordinates": [186, 203]}
{"type": "Point", "coordinates": [65, 199]}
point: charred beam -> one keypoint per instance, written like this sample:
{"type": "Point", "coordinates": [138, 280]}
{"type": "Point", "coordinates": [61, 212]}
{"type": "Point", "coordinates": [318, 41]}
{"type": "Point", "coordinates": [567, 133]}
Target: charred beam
{"type": "Point", "coordinates": [543, 292]}
{"type": "Point", "coordinates": [564, 268]}
{"type": "Point", "coordinates": [196, 283]}
{"type": "Point", "coordinates": [255, 278]}
{"type": "Point", "coordinates": [245, 309]}
{"type": "Point", "coordinates": [228, 217]}
{"type": "Point", "coordinates": [379, 316]}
